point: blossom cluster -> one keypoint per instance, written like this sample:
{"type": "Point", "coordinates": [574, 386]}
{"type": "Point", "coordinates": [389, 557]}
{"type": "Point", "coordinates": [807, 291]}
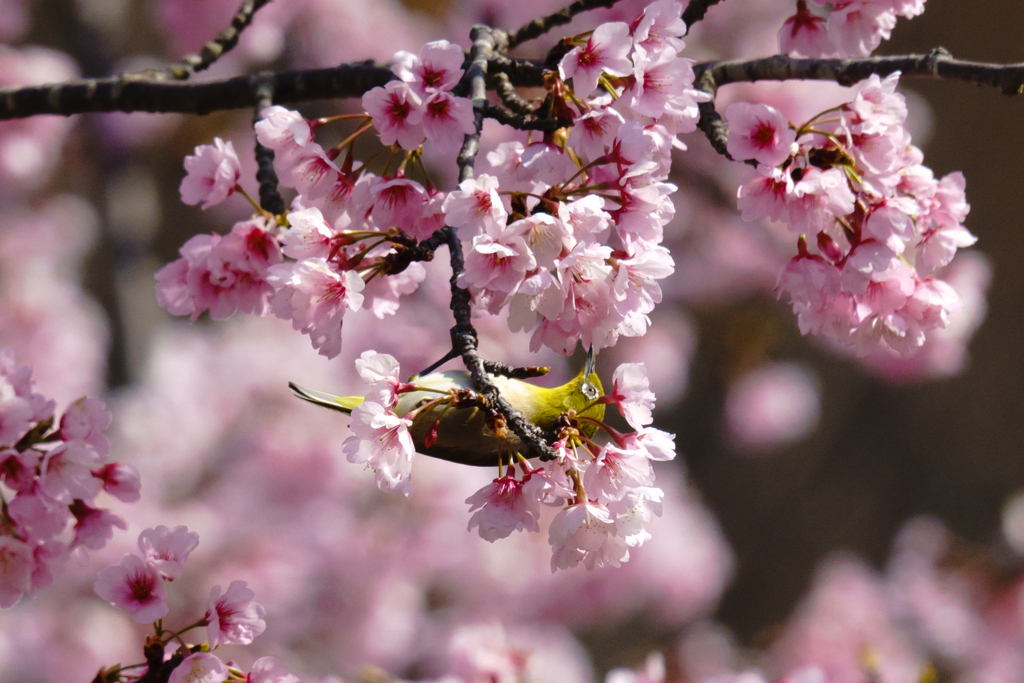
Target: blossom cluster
{"type": "Point", "coordinates": [880, 223]}
{"type": "Point", "coordinates": [55, 470]}
{"type": "Point", "coordinates": [565, 233]}
{"type": "Point", "coordinates": [605, 493]}
{"type": "Point", "coordinates": [138, 585]}
{"type": "Point", "coordinates": [851, 28]}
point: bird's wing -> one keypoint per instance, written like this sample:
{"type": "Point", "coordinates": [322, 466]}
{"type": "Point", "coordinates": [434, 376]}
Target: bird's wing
{"type": "Point", "coordinates": [343, 404]}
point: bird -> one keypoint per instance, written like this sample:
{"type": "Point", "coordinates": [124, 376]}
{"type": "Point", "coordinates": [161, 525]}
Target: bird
{"type": "Point", "coordinates": [463, 434]}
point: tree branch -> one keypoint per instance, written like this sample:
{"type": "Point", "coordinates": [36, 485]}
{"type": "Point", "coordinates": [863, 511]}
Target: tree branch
{"type": "Point", "coordinates": [938, 63]}
{"type": "Point", "coordinates": [509, 97]}
{"type": "Point", "coordinates": [464, 335]}
{"type": "Point", "coordinates": [525, 73]}
{"type": "Point", "coordinates": [520, 121]}
{"type": "Point", "coordinates": [132, 92]}
{"type": "Point", "coordinates": [216, 48]}
{"type": "Point", "coordinates": [710, 122]}
{"type": "Point", "coordinates": [270, 197]}
{"type": "Point", "coordinates": [539, 27]}
{"type": "Point", "coordinates": [696, 10]}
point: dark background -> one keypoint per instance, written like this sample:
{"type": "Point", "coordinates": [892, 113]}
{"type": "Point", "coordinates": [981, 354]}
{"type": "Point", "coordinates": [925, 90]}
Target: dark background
{"type": "Point", "coordinates": [953, 448]}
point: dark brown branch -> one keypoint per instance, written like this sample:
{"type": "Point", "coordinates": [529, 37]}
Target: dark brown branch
{"type": "Point", "coordinates": [133, 93]}
{"type": "Point", "coordinates": [696, 10]}
{"type": "Point", "coordinates": [515, 373]}
{"type": "Point", "coordinates": [525, 73]}
{"type": "Point", "coordinates": [539, 27]}
{"type": "Point", "coordinates": [270, 197]}
{"type": "Point", "coordinates": [219, 46]}
{"type": "Point", "coordinates": [464, 337]}
{"type": "Point", "coordinates": [509, 97]}
{"type": "Point", "coordinates": [938, 63]}
{"type": "Point", "coordinates": [710, 122]}
{"type": "Point", "coordinates": [522, 122]}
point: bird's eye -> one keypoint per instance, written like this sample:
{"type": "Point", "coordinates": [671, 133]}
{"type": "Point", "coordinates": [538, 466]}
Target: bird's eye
{"type": "Point", "coordinates": [589, 390]}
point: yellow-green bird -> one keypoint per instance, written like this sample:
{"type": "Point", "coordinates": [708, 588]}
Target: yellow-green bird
{"type": "Point", "coordinates": [463, 434]}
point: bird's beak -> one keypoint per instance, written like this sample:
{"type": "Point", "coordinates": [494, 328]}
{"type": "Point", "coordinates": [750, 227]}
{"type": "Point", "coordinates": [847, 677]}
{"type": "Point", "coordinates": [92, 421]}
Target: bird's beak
{"type": "Point", "coordinates": [589, 390]}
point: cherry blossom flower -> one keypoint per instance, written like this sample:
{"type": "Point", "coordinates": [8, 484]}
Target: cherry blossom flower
{"type": "Point", "coordinates": [84, 421]}
{"type": "Point", "coordinates": [65, 473]}
{"type": "Point", "coordinates": [653, 672]}
{"type": "Point", "coordinates": [447, 120]}
{"type": "Point", "coordinates": [594, 131]}
{"type": "Point", "coordinates": [212, 174]}
{"type": "Point", "coordinates": [606, 51]}
{"type": "Point", "coordinates": [235, 618]}
{"type": "Point", "coordinates": [857, 28]}
{"type": "Point", "coordinates": [134, 585]}
{"type": "Point", "coordinates": [16, 564]}
{"type": "Point", "coordinates": [759, 132]}
{"type": "Point", "coordinates": [659, 26]}
{"type": "Point", "coordinates": [397, 112]}
{"type": "Point", "coordinates": [616, 470]}
{"type": "Point", "coordinates": [632, 395]}
{"type": "Point", "coordinates": [221, 274]}
{"type": "Point", "coordinates": [656, 444]}
{"type": "Point", "coordinates": [382, 440]}
{"type": "Point", "coordinates": [663, 89]}
{"type": "Point", "coordinates": [15, 418]}
{"type": "Point", "coordinates": [501, 507]}
{"type": "Point", "coordinates": [765, 194]}
{"type": "Point", "coordinates": [805, 35]}
{"type": "Point", "coordinates": [380, 371]}
{"type": "Point", "coordinates": [94, 527]}
{"type": "Point", "coordinates": [399, 203]}
{"type": "Point", "coordinates": [438, 67]}
{"type": "Point", "coordinates": [37, 516]}
{"type": "Point", "coordinates": [269, 670]}
{"type": "Point", "coordinates": [284, 131]}
{"type": "Point", "coordinates": [314, 296]}
{"type": "Point", "coordinates": [167, 549]}
{"type": "Point", "coordinates": [199, 667]}
{"type": "Point", "coordinates": [47, 556]}
{"type": "Point", "coordinates": [818, 198]}
{"type": "Point", "coordinates": [476, 207]}
{"type": "Point", "coordinates": [309, 235]}
{"type": "Point", "coordinates": [497, 264]}
{"type": "Point", "coordinates": [585, 532]}
{"type": "Point", "coordinates": [120, 480]}
{"type": "Point", "coordinates": [18, 470]}
{"type": "Point", "coordinates": [310, 171]}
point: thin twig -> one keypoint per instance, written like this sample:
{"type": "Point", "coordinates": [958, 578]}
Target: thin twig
{"type": "Point", "coordinates": [507, 92]}
{"type": "Point", "coordinates": [523, 73]}
{"type": "Point", "coordinates": [539, 27]}
{"type": "Point", "coordinates": [710, 122]}
{"type": "Point", "coordinates": [219, 46]}
{"type": "Point", "coordinates": [521, 122]}
{"type": "Point", "coordinates": [464, 335]}
{"type": "Point", "coordinates": [696, 10]}
{"type": "Point", "coordinates": [270, 197]}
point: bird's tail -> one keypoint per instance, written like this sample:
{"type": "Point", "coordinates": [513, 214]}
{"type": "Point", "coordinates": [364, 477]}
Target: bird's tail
{"type": "Point", "coordinates": [343, 404]}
